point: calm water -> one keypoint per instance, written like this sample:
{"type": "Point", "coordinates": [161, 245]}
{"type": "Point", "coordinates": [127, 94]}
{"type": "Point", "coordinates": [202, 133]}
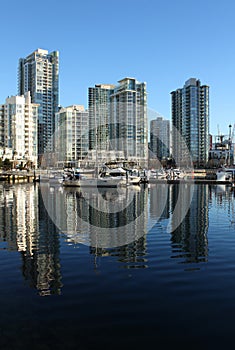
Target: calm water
{"type": "Point", "coordinates": [117, 269]}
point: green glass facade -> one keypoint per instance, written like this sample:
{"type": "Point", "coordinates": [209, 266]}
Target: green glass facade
{"type": "Point", "coordinates": [190, 120]}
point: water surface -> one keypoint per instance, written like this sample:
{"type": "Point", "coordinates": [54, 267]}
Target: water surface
{"type": "Point", "coordinates": [76, 273]}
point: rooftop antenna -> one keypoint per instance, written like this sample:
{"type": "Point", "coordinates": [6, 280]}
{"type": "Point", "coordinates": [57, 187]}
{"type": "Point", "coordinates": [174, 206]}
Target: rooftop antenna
{"type": "Point", "coordinates": [230, 132]}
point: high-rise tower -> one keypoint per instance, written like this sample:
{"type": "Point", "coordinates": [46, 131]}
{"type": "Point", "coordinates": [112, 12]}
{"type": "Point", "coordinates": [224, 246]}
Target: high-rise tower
{"type": "Point", "coordinates": [190, 120]}
{"type": "Point", "coordinates": [118, 119]}
{"type": "Point", "coordinates": [71, 141]}
{"type": "Point", "coordinates": [160, 137]}
{"type": "Point", "coordinates": [129, 113]}
{"type": "Point", "coordinates": [99, 116]}
{"type": "Point", "coordinates": [39, 74]}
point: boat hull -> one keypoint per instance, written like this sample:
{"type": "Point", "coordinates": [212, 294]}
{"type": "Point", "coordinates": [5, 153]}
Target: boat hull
{"type": "Point", "coordinates": [110, 183]}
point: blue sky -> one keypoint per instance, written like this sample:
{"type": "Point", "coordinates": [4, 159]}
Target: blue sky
{"type": "Point", "coordinates": [163, 43]}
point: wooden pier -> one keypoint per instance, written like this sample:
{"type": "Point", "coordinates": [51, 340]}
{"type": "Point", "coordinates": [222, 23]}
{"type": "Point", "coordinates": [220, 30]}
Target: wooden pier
{"type": "Point", "coordinates": [19, 176]}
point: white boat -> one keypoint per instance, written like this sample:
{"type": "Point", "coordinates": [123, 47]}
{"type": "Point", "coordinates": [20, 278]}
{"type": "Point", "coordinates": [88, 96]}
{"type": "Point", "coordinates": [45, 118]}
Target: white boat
{"type": "Point", "coordinates": [156, 174]}
{"type": "Point", "coordinates": [225, 175]}
{"type": "Point", "coordinates": [221, 176]}
{"type": "Point", "coordinates": [134, 177]}
{"type": "Point", "coordinates": [230, 172]}
{"type": "Point", "coordinates": [125, 177]}
{"type": "Point", "coordinates": [133, 180]}
{"type": "Point", "coordinates": [175, 174]}
{"type": "Point", "coordinates": [80, 181]}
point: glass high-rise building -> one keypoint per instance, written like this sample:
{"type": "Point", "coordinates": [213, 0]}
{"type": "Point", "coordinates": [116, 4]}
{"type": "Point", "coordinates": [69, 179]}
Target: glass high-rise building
{"type": "Point", "coordinates": [129, 115]}
{"type": "Point", "coordinates": [118, 119]}
{"type": "Point", "coordinates": [39, 74]}
{"type": "Point", "coordinates": [99, 116]}
{"type": "Point", "coordinates": [160, 138]}
{"type": "Point", "coordinates": [190, 120]}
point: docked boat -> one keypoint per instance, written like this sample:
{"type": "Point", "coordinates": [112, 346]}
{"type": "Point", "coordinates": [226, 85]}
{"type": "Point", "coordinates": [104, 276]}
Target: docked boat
{"type": "Point", "coordinates": [175, 174]}
{"type": "Point", "coordinates": [77, 180]}
{"type": "Point", "coordinates": [90, 182]}
{"type": "Point", "coordinates": [222, 176]}
{"type": "Point", "coordinates": [226, 175]}
{"type": "Point", "coordinates": [230, 172]}
{"type": "Point", "coordinates": [125, 177]}
{"type": "Point", "coordinates": [134, 177]}
{"type": "Point", "coordinates": [154, 175]}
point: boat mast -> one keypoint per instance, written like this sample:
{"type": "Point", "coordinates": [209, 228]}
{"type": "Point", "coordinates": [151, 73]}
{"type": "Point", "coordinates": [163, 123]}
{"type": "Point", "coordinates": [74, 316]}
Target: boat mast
{"type": "Point", "coordinates": [96, 151]}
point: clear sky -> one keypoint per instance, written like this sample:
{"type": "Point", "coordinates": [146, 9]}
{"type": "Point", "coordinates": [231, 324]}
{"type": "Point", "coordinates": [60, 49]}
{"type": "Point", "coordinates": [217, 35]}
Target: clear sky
{"type": "Point", "coordinates": [163, 43]}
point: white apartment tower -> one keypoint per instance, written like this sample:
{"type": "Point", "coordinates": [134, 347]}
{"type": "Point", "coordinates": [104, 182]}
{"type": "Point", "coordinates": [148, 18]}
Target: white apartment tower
{"type": "Point", "coordinates": [39, 74]}
{"type": "Point", "coordinates": [71, 135]}
{"type": "Point", "coordinates": [20, 117]}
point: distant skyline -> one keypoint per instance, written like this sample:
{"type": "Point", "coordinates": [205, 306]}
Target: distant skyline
{"type": "Point", "coordinates": [160, 43]}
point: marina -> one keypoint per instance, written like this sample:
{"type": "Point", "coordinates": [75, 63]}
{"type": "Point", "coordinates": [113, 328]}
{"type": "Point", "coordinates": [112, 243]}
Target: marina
{"type": "Point", "coordinates": [118, 176]}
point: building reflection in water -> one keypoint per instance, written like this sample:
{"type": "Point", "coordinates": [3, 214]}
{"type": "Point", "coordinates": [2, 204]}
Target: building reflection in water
{"type": "Point", "coordinates": [103, 218]}
{"type": "Point", "coordinates": [189, 239]}
{"type": "Point", "coordinates": [26, 227]}
{"type": "Point", "coordinates": [223, 196]}
{"type": "Point", "coordinates": [112, 222]}
{"type": "Point", "coordinates": [159, 202]}
{"type": "Point", "coordinates": [132, 255]}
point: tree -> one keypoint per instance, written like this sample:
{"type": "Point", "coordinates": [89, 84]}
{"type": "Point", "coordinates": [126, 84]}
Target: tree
{"type": "Point", "coordinates": [7, 164]}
